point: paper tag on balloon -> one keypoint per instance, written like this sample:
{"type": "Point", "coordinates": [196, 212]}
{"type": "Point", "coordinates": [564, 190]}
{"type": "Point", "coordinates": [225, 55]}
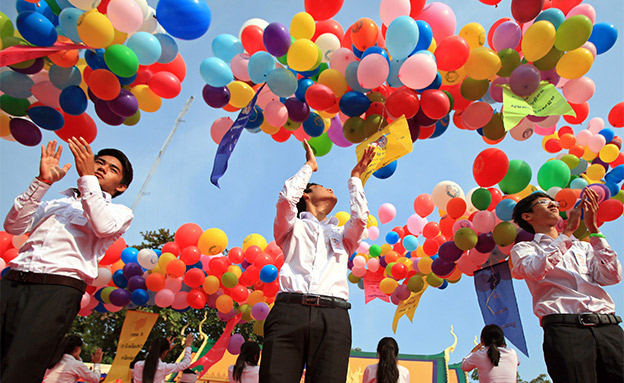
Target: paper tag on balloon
{"type": "Point", "coordinates": [391, 143]}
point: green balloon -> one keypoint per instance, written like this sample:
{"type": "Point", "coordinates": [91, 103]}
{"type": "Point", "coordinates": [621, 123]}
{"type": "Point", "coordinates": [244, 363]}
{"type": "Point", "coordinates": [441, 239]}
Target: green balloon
{"type": "Point", "coordinates": [472, 89]}
{"type": "Point", "coordinates": [465, 238]}
{"type": "Point", "coordinates": [121, 60]}
{"type": "Point", "coordinates": [553, 173]}
{"type": "Point", "coordinates": [510, 59]}
{"type": "Point", "coordinates": [517, 178]}
{"type": "Point", "coordinates": [321, 145]}
{"type": "Point", "coordinates": [133, 120]}
{"type": "Point", "coordinates": [549, 61]}
{"type": "Point", "coordinates": [14, 106]}
{"type": "Point", "coordinates": [291, 125]}
{"type": "Point", "coordinates": [322, 67]}
{"type": "Point", "coordinates": [374, 250]}
{"type": "Point", "coordinates": [6, 26]}
{"type": "Point", "coordinates": [229, 279]}
{"type": "Point", "coordinates": [373, 124]}
{"type": "Point", "coordinates": [504, 234]}
{"type": "Point", "coordinates": [434, 280]}
{"type": "Point", "coordinates": [451, 99]}
{"type": "Point", "coordinates": [495, 130]}
{"type": "Point", "coordinates": [54, 6]}
{"type": "Point", "coordinates": [571, 160]}
{"type": "Point", "coordinates": [416, 284]}
{"type": "Point", "coordinates": [481, 198]}
{"type": "Point", "coordinates": [573, 33]}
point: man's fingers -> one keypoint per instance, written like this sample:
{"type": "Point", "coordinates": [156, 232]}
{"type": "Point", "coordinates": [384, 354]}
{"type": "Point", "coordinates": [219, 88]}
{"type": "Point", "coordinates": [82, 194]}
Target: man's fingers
{"type": "Point", "coordinates": [86, 145]}
{"type": "Point", "coordinates": [57, 155]}
{"type": "Point", "coordinates": [66, 167]}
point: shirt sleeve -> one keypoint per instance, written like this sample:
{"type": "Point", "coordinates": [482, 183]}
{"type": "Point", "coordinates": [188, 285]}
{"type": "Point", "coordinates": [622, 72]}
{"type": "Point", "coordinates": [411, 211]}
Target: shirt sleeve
{"type": "Point", "coordinates": [469, 363]}
{"type": "Point", "coordinates": [170, 368]}
{"type": "Point", "coordinates": [21, 217]}
{"type": "Point", "coordinates": [89, 376]}
{"type": "Point", "coordinates": [532, 262]}
{"type": "Point", "coordinates": [287, 203]}
{"type": "Point", "coordinates": [354, 228]}
{"type": "Point", "coordinates": [367, 375]}
{"type": "Point", "coordinates": [605, 268]}
{"type": "Point", "coordinates": [106, 219]}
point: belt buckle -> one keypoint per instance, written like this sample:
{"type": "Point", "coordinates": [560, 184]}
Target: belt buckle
{"type": "Point", "coordinates": [311, 300]}
{"type": "Point", "coordinates": [586, 324]}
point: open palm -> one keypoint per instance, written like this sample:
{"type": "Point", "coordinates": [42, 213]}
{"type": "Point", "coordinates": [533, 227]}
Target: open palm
{"type": "Point", "coordinates": [49, 168]}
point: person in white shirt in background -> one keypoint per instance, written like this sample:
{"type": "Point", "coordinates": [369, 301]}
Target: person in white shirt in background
{"type": "Point", "coordinates": [387, 370]}
{"type": "Point", "coordinates": [582, 340]}
{"type": "Point", "coordinates": [41, 292]}
{"type": "Point", "coordinates": [153, 369]}
{"type": "Point", "coordinates": [246, 368]}
{"type": "Point", "coordinates": [309, 325]}
{"type": "Point", "coordinates": [67, 367]}
{"type": "Point", "coordinates": [495, 362]}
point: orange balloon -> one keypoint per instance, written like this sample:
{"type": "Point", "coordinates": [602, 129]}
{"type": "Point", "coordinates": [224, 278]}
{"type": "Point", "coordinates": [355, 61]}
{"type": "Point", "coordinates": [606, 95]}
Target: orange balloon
{"type": "Point", "coordinates": [456, 207]}
{"type": "Point", "coordinates": [567, 141]}
{"type": "Point", "coordinates": [577, 150]}
{"type": "Point", "coordinates": [364, 33]}
{"type": "Point", "coordinates": [104, 84]}
{"type": "Point", "coordinates": [67, 58]}
{"type": "Point", "coordinates": [566, 198]}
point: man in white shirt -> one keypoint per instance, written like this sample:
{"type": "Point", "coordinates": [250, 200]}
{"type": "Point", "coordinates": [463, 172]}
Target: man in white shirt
{"type": "Point", "coordinates": [582, 339]}
{"type": "Point", "coordinates": [309, 325]}
{"type": "Point", "coordinates": [41, 293]}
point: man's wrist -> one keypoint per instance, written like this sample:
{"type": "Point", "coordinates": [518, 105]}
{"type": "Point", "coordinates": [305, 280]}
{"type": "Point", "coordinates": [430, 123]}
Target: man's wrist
{"type": "Point", "coordinates": [45, 181]}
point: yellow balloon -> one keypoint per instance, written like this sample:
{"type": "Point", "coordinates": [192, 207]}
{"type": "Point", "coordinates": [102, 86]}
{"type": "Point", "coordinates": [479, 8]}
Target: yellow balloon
{"type": "Point", "coordinates": [538, 40]}
{"type": "Point", "coordinates": [609, 153]}
{"type": "Point", "coordinates": [256, 296]}
{"type": "Point", "coordinates": [327, 122]}
{"type": "Point", "coordinates": [334, 80]}
{"type": "Point", "coordinates": [385, 248]}
{"type": "Point", "coordinates": [4, 124]}
{"type": "Point", "coordinates": [95, 29]}
{"type": "Point", "coordinates": [224, 304]}
{"type": "Point", "coordinates": [424, 265]}
{"type": "Point", "coordinates": [235, 269]}
{"type": "Point", "coordinates": [158, 270]}
{"type": "Point", "coordinates": [211, 284]}
{"type": "Point", "coordinates": [120, 38]}
{"type": "Point", "coordinates": [302, 26]}
{"type": "Point", "coordinates": [212, 241]}
{"type": "Point", "coordinates": [258, 327]}
{"type": "Point", "coordinates": [388, 285]}
{"type": "Point", "coordinates": [302, 55]}
{"type": "Point", "coordinates": [453, 77]}
{"type": "Point", "coordinates": [527, 190]}
{"type": "Point", "coordinates": [595, 172]}
{"type": "Point", "coordinates": [474, 34]}
{"type": "Point", "coordinates": [574, 64]}
{"type": "Point", "coordinates": [326, 114]}
{"type": "Point", "coordinates": [372, 221]}
{"type": "Point", "coordinates": [482, 63]}
{"type": "Point", "coordinates": [588, 155]}
{"type": "Point", "coordinates": [420, 252]}
{"type": "Point", "coordinates": [432, 46]}
{"type": "Point", "coordinates": [148, 100]}
{"type": "Point", "coordinates": [240, 94]}
{"type": "Point", "coordinates": [164, 260]}
{"type": "Point", "coordinates": [254, 239]}
{"type": "Point", "coordinates": [268, 128]}
{"type": "Point", "coordinates": [342, 217]}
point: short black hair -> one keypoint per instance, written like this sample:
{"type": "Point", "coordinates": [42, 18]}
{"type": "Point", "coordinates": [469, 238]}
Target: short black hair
{"type": "Point", "coordinates": [525, 205]}
{"type": "Point", "coordinates": [301, 205]}
{"type": "Point", "coordinates": [126, 166]}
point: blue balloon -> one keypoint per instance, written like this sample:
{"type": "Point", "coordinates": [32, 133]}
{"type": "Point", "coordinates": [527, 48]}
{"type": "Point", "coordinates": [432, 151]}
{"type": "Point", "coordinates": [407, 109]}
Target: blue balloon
{"type": "Point", "coordinates": [62, 77]}
{"type": "Point", "coordinates": [356, 52]}
{"type": "Point", "coordinates": [302, 85]}
{"type": "Point", "coordinates": [608, 134]}
{"type": "Point", "coordinates": [268, 273]}
{"type": "Point", "coordinates": [402, 37]}
{"type": "Point", "coordinates": [259, 66]}
{"type": "Point", "coordinates": [216, 72]}
{"type": "Point", "coordinates": [184, 19]}
{"type": "Point", "coordinates": [15, 84]}
{"type": "Point", "coordinates": [392, 237]}
{"type": "Point", "coordinates": [613, 188]}
{"type": "Point", "coordinates": [46, 117]}
{"type": "Point", "coordinates": [603, 36]}
{"type": "Point", "coordinates": [314, 125]}
{"type": "Point", "coordinates": [393, 74]}
{"type": "Point", "coordinates": [616, 175]}
{"type": "Point", "coordinates": [256, 118]}
{"type": "Point", "coordinates": [95, 59]}
{"type": "Point", "coordinates": [282, 82]}
{"type": "Point", "coordinates": [441, 126]}
{"type": "Point", "coordinates": [63, 4]}
{"type": "Point", "coordinates": [100, 308]}
{"type": "Point", "coordinates": [129, 255]}
{"type": "Point", "coordinates": [309, 73]}
{"type": "Point", "coordinates": [119, 280]}
{"type": "Point", "coordinates": [504, 209]}
{"type": "Point", "coordinates": [127, 80]}
{"type": "Point", "coordinates": [42, 8]}
{"type": "Point", "coordinates": [36, 29]}
{"type": "Point", "coordinates": [553, 15]}
{"type": "Point", "coordinates": [226, 46]}
{"type": "Point", "coordinates": [425, 36]}
{"type": "Point", "coordinates": [410, 242]}
{"type": "Point", "coordinates": [139, 297]}
{"type": "Point", "coordinates": [169, 48]}
{"type": "Point", "coordinates": [351, 77]}
{"type": "Point", "coordinates": [73, 100]}
{"type": "Point", "coordinates": [68, 21]}
{"type": "Point", "coordinates": [146, 47]}
{"type": "Point", "coordinates": [443, 285]}
{"type": "Point", "coordinates": [376, 50]}
{"type": "Point", "coordinates": [354, 103]}
{"type": "Point", "coordinates": [386, 171]}
{"type": "Point", "coordinates": [578, 183]}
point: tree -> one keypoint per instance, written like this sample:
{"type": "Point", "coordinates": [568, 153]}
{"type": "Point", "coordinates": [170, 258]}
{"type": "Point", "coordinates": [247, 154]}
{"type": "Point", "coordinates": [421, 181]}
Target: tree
{"type": "Point", "coordinates": [103, 329]}
{"type": "Point", "coordinates": [542, 378]}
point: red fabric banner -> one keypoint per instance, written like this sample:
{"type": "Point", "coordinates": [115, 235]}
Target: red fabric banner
{"type": "Point", "coordinates": [18, 53]}
{"type": "Point", "coordinates": [371, 287]}
{"type": "Point", "coordinates": [216, 352]}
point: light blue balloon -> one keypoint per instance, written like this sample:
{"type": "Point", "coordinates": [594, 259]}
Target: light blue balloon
{"type": "Point", "coordinates": [553, 15]}
{"type": "Point", "coordinates": [63, 77]}
{"type": "Point", "coordinates": [146, 47]}
{"type": "Point", "coordinates": [282, 82]}
{"type": "Point", "coordinates": [15, 84]}
{"type": "Point", "coordinates": [603, 37]}
{"type": "Point", "coordinates": [351, 77]}
{"type": "Point", "coordinates": [63, 4]}
{"type": "Point", "coordinates": [410, 242]}
{"type": "Point", "coordinates": [226, 46]}
{"type": "Point", "coordinates": [68, 20]}
{"type": "Point", "coordinates": [578, 183]}
{"type": "Point", "coordinates": [580, 168]}
{"type": "Point", "coordinates": [169, 48]}
{"type": "Point", "coordinates": [393, 74]}
{"type": "Point", "coordinates": [504, 209]}
{"type": "Point", "coordinates": [259, 66]}
{"type": "Point", "coordinates": [216, 72]}
{"type": "Point", "coordinates": [425, 35]}
{"type": "Point", "coordinates": [402, 37]}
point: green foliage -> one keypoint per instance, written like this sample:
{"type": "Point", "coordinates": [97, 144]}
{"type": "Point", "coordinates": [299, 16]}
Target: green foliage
{"type": "Point", "coordinates": [542, 378]}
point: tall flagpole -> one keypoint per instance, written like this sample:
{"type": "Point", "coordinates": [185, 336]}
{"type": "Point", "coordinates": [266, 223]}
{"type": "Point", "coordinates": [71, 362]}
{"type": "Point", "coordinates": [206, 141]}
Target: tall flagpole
{"type": "Point", "coordinates": [184, 110]}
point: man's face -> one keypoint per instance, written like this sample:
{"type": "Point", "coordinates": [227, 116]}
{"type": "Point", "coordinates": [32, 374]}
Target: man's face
{"type": "Point", "coordinates": [320, 194]}
{"type": "Point", "coordinates": [544, 211]}
{"type": "Point", "coordinates": [109, 172]}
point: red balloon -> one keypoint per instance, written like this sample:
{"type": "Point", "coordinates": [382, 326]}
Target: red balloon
{"type": "Point", "coordinates": [104, 84]}
{"type": "Point", "coordinates": [177, 67]}
{"type": "Point", "coordinates": [553, 145]}
{"type": "Point", "coordinates": [239, 293]}
{"type": "Point", "coordinates": [323, 10]}
{"type": "Point", "coordinates": [252, 252]}
{"type": "Point", "coordinates": [435, 103]}
{"type": "Point", "coordinates": [616, 115]}
{"type": "Point", "coordinates": [282, 135]}
{"type": "Point", "coordinates": [262, 260]}
{"type": "Point", "coordinates": [497, 196]}
{"type": "Point", "coordinates": [403, 102]}
{"type": "Point", "coordinates": [218, 265]}
{"type": "Point", "coordinates": [103, 7]}
{"type": "Point", "coordinates": [328, 26]}
{"type": "Point", "coordinates": [190, 255]}
{"type": "Point", "coordinates": [490, 35]}
{"type": "Point", "coordinates": [113, 253]}
{"type": "Point", "coordinates": [456, 207]}
{"type": "Point", "coordinates": [490, 2]}
{"type": "Point", "coordinates": [346, 40]}
{"type": "Point", "coordinates": [6, 242]}
{"type": "Point", "coordinates": [271, 289]}
{"type": "Point", "coordinates": [10, 254]}
{"type": "Point", "coordinates": [459, 102]}
{"type": "Point", "coordinates": [426, 132]}
{"type": "Point", "coordinates": [452, 53]}
{"type": "Point", "coordinates": [490, 167]}
{"type": "Point", "coordinates": [196, 298]}
{"type": "Point", "coordinates": [188, 235]}
{"type": "Point", "coordinates": [236, 255]}
{"type": "Point", "coordinates": [423, 205]}
{"type": "Point", "coordinates": [320, 97]}
{"type": "Point", "coordinates": [194, 277]}
{"type": "Point", "coordinates": [251, 37]}
{"type": "Point", "coordinates": [610, 210]}
{"type": "Point", "coordinates": [565, 5]}
{"type": "Point", "coordinates": [416, 7]}
{"type": "Point", "coordinates": [81, 125]}
{"type": "Point", "coordinates": [165, 84]}
{"type": "Point", "coordinates": [582, 111]}
{"type": "Point", "coordinates": [377, 108]}
{"type": "Point", "coordinates": [143, 76]}
{"type": "Point", "coordinates": [526, 10]}
{"type": "Point", "coordinates": [171, 247]}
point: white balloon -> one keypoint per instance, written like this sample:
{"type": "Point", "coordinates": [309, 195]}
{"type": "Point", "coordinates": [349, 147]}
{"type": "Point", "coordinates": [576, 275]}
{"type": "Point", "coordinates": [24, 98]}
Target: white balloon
{"type": "Point", "coordinates": [328, 43]}
{"type": "Point", "coordinates": [85, 4]}
{"type": "Point", "coordinates": [104, 276]}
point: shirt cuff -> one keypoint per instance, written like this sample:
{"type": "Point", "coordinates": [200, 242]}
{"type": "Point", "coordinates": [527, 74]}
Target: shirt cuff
{"type": "Point", "coordinates": [88, 185]}
{"type": "Point", "coordinates": [355, 182]}
{"type": "Point", "coordinates": [37, 189]}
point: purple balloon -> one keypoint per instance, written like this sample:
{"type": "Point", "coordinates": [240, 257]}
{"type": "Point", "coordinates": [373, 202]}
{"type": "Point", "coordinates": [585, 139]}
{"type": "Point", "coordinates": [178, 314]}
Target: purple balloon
{"type": "Point", "coordinates": [421, 119]}
{"type": "Point", "coordinates": [335, 133]}
{"type": "Point", "coordinates": [131, 269]}
{"type": "Point", "coordinates": [414, 129]}
{"type": "Point", "coordinates": [297, 111]}
{"type": "Point", "coordinates": [107, 116]}
{"type": "Point", "coordinates": [551, 76]}
{"type": "Point", "coordinates": [216, 97]}
{"type": "Point", "coordinates": [125, 104]}
{"type": "Point", "coordinates": [35, 67]}
{"type": "Point", "coordinates": [119, 297]}
{"type": "Point", "coordinates": [92, 96]}
{"type": "Point", "coordinates": [25, 132]}
{"type": "Point", "coordinates": [136, 282]}
{"type": "Point", "coordinates": [485, 243]}
{"type": "Point", "coordinates": [524, 80]}
{"type": "Point", "coordinates": [276, 39]}
{"type": "Point", "coordinates": [533, 118]}
{"type": "Point", "coordinates": [402, 292]}
{"type": "Point", "coordinates": [507, 35]}
{"type": "Point", "coordinates": [449, 252]}
{"type": "Point", "coordinates": [260, 311]}
{"type": "Point", "coordinates": [496, 92]}
{"type": "Point", "coordinates": [441, 268]}
{"type": "Point", "coordinates": [234, 346]}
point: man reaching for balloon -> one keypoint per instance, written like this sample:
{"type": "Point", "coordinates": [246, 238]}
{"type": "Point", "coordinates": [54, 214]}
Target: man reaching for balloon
{"type": "Point", "coordinates": [309, 324]}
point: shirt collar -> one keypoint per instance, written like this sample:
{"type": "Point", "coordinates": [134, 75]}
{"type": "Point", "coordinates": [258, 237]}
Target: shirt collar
{"type": "Point", "coordinates": [327, 221]}
{"type": "Point", "coordinates": [73, 192]}
{"type": "Point", "coordinates": [541, 237]}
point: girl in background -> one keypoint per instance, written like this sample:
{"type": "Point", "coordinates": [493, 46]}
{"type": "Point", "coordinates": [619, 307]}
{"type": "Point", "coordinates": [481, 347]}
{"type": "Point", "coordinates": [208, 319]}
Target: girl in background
{"type": "Point", "coordinates": [387, 370]}
{"type": "Point", "coordinates": [153, 369]}
{"type": "Point", "coordinates": [494, 361]}
{"type": "Point", "coordinates": [246, 369]}
{"type": "Point", "coordinates": [67, 367]}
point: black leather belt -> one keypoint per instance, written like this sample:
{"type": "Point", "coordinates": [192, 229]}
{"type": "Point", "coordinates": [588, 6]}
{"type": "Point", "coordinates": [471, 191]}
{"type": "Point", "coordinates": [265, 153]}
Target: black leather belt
{"type": "Point", "coordinates": [44, 279]}
{"type": "Point", "coordinates": [313, 300]}
{"type": "Point", "coordinates": [583, 320]}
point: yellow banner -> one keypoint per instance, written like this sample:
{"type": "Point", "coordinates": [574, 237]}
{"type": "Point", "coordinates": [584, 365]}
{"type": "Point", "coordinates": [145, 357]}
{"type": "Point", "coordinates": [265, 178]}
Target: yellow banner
{"type": "Point", "coordinates": [134, 333]}
{"type": "Point", "coordinates": [407, 307]}
{"type": "Point", "coordinates": [392, 142]}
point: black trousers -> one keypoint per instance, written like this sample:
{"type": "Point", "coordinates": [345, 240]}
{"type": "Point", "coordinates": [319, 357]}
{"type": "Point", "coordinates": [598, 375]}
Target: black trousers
{"type": "Point", "coordinates": [577, 354]}
{"type": "Point", "coordinates": [34, 318]}
{"type": "Point", "coordinates": [298, 336]}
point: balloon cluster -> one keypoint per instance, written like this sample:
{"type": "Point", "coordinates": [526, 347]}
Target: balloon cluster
{"type": "Point", "coordinates": [333, 86]}
{"type": "Point", "coordinates": [128, 63]}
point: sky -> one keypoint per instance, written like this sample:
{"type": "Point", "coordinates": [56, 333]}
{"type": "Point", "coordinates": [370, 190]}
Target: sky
{"type": "Point", "coordinates": [180, 190]}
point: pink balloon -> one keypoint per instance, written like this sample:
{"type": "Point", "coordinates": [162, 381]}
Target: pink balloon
{"type": "Point", "coordinates": [496, 92]}
{"type": "Point", "coordinates": [341, 58]}
{"type": "Point", "coordinates": [596, 143]}
{"type": "Point", "coordinates": [219, 128]}
{"type": "Point", "coordinates": [46, 93]}
{"type": "Point", "coordinates": [595, 125]}
{"type": "Point", "coordinates": [583, 9]}
{"type": "Point", "coordinates": [415, 224]}
{"type": "Point", "coordinates": [84, 302]}
{"type": "Point", "coordinates": [477, 257]}
{"type": "Point", "coordinates": [523, 130]}
{"type": "Point", "coordinates": [386, 212]}
{"type": "Point", "coordinates": [164, 298]}
{"type": "Point", "coordinates": [373, 264]}
{"type": "Point", "coordinates": [582, 137]}
{"type": "Point", "coordinates": [363, 248]}
{"type": "Point", "coordinates": [441, 19]}
{"type": "Point", "coordinates": [461, 224]}
{"type": "Point", "coordinates": [484, 221]}
{"type": "Point", "coordinates": [179, 301]}
{"type": "Point", "coordinates": [335, 133]}
{"type": "Point", "coordinates": [466, 266]}
{"type": "Point", "coordinates": [418, 71]}
{"type": "Point", "coordinates": [476, 115]}
{"type": "Point", "coordinates": [265, 97]}
{"type": "Point", "coordinates": [507, 35]}
{"type": "Point", "coordinates": [545, 131]}
{"type": "Point", "coordinates": [173, 284]}
{"type": "Point", "coordinates": [126, 16]}
{"type": "Point", "coordinates": [373, 233]}
{"type": "Point", "coordinates": [276, 113]}
{"type": "Point", "coordinates": [358, 271]}
{"type": "Point", "coordinates": [579, 90]}
{"type": "Point", "coordinates": [372, 71]}
{"type": "Point", "coordinates": [239, 65]}
{"type": "Point", "coordinates": [236, 341]}
{"type": "Point", "coordinates": [391, 9]}
{"type": "Point", "coordinates": [112, 308]}
{"type": "Point", "coordinates": [300, 134]}
{"type": "Point", "coordinates": [590, 47]}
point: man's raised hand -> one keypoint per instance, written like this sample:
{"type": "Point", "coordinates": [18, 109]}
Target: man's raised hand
{"type": "Point", "coordinates": [49, 170]}
{"type": "Point", "coordinates": [310, 157]}
{"type": "Point", "coordinates": [85, 161]}
{"type": "Point", "coordinates": [363, 163]}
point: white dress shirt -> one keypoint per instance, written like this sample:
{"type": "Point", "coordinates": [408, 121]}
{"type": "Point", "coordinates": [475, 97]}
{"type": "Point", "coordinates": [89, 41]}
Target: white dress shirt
{"type": "Point", "coordinates": [68, 236]}
{"type": "Point", "coordinates": [316, 253]}
{"type": "Point", "coordinates": [505, 372]}
{"type": "Point", "coordinates": [564, 275]}
{"type": "Point", "coordinates": [251, 374]}
{"type": "Point", "coordinates": [370, 374]}
{"type": "Point", "coordinates": [163, 368]}
{"type": "Point", "coordinates": [70, 370]}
